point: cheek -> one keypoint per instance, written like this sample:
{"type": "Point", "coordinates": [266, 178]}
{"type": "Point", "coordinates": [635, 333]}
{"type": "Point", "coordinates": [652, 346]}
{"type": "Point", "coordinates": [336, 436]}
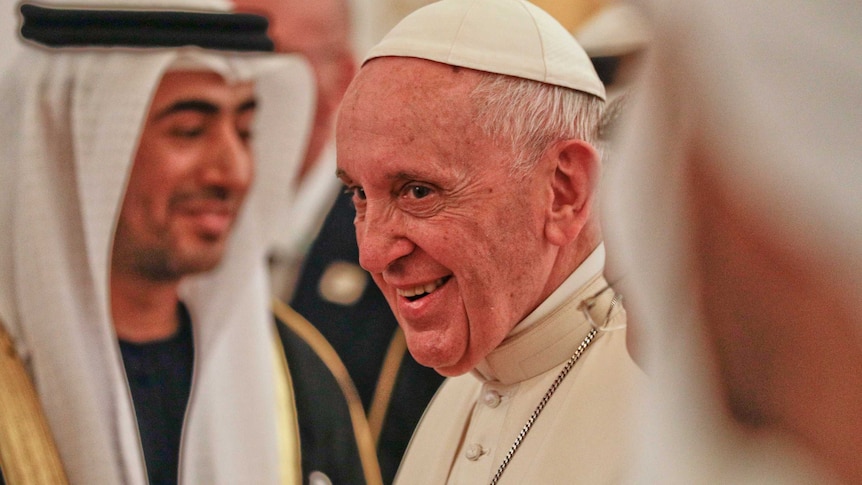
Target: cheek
{"type": "Point", "coordinates": [141, 189]}
{"type": "Point", "coordinates": [514, 248]}
{"type": "Point", "coordinates": [510, 277]}
{"type": "Point", "coordinates": [150, 192]}
{"type": "Point", "coordinates": [159, 166]}
{"type": "Point", "coordinates": [496, 276]}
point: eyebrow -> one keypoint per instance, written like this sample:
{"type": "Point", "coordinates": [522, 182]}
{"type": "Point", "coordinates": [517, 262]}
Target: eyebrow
{"type": "Point", "coordinates": [199, 106]}
{"type": "Point", "coordinates": [247, 105]}
{"type": "Point", "coordinates": [204, 107]}
{"type": "Point", "coordinates": [398, 176]}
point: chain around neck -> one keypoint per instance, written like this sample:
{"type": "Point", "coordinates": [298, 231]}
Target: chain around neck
{"type": "Point", "coordinates": [585, 306]}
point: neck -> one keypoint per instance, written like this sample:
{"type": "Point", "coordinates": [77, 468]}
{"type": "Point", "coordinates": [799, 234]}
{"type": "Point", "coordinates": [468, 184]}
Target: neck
{"type": "Point", "coordinates": [143, 310]}
{"type": "Point", "coordinates": [570, 257]}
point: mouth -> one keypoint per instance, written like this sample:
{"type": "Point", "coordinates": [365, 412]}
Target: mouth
{"type": "Point", "coordinates": [212, 217]}
{"type": "Point", "coordinates": [420, 291]}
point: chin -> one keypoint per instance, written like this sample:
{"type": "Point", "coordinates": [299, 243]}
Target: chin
{"type": "Point", "coordinates": [442, 362]}
{"type": "Point", "coordinates": [440, 359]}
{"type": "Point", "coordinates": [199, 261]}
{"type": "Point", "coordinates": [453, 371]}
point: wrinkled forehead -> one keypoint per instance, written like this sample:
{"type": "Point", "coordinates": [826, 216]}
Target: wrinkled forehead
{"type": "Point", "coordinates": [411, 116]}
{"type": "Point", "coordinates": [413, 88]}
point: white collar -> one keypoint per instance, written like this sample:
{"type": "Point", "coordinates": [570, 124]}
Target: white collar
{"type": "Point", "coordinates": [594, 263]}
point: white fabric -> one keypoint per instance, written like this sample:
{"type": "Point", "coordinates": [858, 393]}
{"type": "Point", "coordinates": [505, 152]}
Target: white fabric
{"type": "Point", "coordinates": [773, 91]}
{"type": "Point", "coordinates": [312, 201]}
{"type": "Point", "coordinates": [8, 33]}
{"type": "Point", "coordinates": [581, 436]}
{"type": "Point", "coordinates": [69, 127]}
{"type": "Point", "coordinates": [511, 37]}
{"type": "Point", "coordinates": [617, 29]}
{"type": "Point", "coordinates": [308, 207]}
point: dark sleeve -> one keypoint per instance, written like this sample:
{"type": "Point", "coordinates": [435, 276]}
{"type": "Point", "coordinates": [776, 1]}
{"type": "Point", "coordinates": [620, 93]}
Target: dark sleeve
{"type": "Point", "coordinates": [361, 331]}
{"type": "Point", "coordinates": [326, 435]}
{"type": "Point", "coordinates": [414, 388]}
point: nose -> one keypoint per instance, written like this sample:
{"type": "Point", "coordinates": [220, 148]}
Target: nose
{"type": "Point", "coordinates": [232, 162]}
{"type": "Point", "coordinates": [382, 239]}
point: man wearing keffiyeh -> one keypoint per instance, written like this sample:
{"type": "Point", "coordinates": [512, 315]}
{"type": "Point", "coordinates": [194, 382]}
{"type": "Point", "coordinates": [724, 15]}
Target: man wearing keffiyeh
{"type": "Point", "coordinates": [136, 211]}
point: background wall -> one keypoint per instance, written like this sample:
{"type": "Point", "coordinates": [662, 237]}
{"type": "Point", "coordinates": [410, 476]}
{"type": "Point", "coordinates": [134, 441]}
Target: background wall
{"type": "Point", "coordinates": [9, 43]}
{"type": "Point", "coordinates": [373, 18]}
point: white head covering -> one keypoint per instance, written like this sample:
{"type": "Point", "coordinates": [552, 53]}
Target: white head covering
{"type": "Point", "coordinates": [70, 121]}
{"type": "Point", "coordinates": [772, 94]}
{"type": "Point", "coordinates": [511, 37]}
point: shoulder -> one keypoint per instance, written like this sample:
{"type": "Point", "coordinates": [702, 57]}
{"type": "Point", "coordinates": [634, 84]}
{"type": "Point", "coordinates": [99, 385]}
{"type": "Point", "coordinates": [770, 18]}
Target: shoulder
{"type": "Point", "coordinates": [328, 434]}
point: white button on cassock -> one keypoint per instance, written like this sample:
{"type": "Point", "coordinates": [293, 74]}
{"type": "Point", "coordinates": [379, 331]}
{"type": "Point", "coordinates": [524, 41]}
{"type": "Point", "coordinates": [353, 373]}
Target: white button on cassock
{"type": "Point", "coordinates": [474, 451]}
{"type": "Point", "coordinates": [492, 399]}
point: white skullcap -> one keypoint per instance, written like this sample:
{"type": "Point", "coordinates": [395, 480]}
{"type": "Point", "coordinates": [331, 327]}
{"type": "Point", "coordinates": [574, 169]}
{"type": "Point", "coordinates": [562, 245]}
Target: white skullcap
{"type": "Point", "coordinates": [511, 37]}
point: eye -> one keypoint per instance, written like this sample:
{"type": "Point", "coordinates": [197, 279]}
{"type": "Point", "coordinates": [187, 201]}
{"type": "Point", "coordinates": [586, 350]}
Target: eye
{"type": "Point", "coordinates": [186, 124]}
{"type": "Point", "coordinates": [417, 191]}
{"type": "Point", "coordinates": [187, 132]}
{"type": "Point", "coordinates": [356, 192]}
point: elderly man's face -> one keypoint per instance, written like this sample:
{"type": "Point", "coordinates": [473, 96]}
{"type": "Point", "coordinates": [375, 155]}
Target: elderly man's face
{"type": "Point", "coordinates": [191, 173]}
{"type": "Point", "coordinates": [453, 241]}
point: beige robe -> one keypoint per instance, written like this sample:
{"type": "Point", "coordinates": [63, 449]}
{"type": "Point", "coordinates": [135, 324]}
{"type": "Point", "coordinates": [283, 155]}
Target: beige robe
{"type": "Point", "coordinates": [582, 435]}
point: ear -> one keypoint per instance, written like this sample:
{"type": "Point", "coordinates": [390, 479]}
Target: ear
{"type": "Point", "coordinates": [576, 175]}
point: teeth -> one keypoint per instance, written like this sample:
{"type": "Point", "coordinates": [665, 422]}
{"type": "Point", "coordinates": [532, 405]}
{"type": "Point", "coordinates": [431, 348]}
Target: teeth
{"type": "Point", "coordinates": [421, 289]}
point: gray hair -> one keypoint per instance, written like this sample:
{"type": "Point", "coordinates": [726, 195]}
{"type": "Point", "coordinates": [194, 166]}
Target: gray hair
{"type": "Point", "coordinates": [530, 116]}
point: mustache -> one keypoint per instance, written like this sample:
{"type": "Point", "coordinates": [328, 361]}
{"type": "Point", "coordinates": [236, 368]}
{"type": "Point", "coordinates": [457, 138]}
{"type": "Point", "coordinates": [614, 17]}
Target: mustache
{"type": "Point", "coordinates": [208, 194]}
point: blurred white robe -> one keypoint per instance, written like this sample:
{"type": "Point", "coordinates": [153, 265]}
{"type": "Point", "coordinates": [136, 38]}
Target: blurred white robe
{"type": "Point", "coordinates": [772, 92]}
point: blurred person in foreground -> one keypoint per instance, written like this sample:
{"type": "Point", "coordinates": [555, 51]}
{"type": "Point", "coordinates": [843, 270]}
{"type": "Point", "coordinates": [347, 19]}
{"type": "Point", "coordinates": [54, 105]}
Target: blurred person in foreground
{"type": "Point", "coordinates": [320, 31]}
{"type": "Point", "coordinates": [136, 216]}
{"type": "Point", "coordinates": [615, 36]}
{"type": "Point", "coordinates": [467, 142]}
{"type": "Point", "coordinates": [733, 208]}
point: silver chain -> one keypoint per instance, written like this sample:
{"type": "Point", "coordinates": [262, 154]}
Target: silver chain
{"type": "Point", "coordinates": [588, 304]}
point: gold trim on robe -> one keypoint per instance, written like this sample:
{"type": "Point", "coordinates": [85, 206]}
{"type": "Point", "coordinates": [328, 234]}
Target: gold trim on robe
{"type": "Point", "coordinates": [28, 454]}
{"type": "Point", "coordinates": [361, 430]}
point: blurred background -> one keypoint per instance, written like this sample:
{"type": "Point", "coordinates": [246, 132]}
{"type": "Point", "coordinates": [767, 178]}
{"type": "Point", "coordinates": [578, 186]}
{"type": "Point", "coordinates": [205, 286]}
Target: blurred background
{"type": "Point", "coordinates": [372, 18]}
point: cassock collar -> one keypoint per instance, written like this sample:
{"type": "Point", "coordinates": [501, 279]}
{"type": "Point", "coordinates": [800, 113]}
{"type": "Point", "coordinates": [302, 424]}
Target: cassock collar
{"type": "Point", "coordinates": [549, 342]}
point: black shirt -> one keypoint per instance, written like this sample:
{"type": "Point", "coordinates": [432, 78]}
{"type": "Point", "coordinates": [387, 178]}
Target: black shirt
{"type": "Point", "coordinates": [160, 379]}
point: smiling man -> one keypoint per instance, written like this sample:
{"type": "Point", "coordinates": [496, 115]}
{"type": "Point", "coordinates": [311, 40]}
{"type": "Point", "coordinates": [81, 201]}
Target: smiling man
{"type": "Point", "coordinates": [136, 208]}
{"type": "Point", "coordinates": [467, 140]}
{"type": "Point", "coordinates": [190, 176]}
{"type": "Point", "coordinates": [191, 173]}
